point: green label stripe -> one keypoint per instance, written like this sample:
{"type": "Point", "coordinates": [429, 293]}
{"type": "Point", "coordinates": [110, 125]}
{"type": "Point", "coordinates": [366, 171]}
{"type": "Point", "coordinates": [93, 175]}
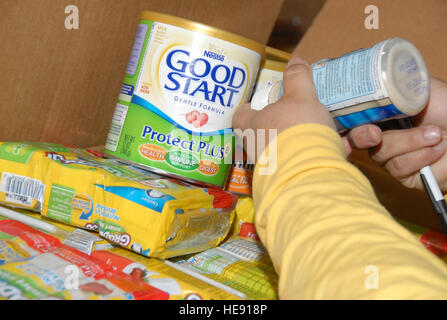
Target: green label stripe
{"type": "Point", "coordinates": [59, 206]}
{"type": "Point", "coordinates": [17, 152]}
{"type": "Point", "coordinates": [28, 287]}
{"type": "Point", "coordinates": [107, 226]}
{"type": "Point", "coordinates": [5, 235]}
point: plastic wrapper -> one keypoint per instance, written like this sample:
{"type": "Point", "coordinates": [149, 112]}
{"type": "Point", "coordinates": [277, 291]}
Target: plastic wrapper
{"type": "Point", "coordinates": [175, 284]}
{"type": "Point", "coordinates": [152, 215]}
{"type": "Point", "coordinates": [244, 220]}
{"type": "Point", "coordinates": [35, 265]}
{"type": "Point", "coordinates": [240, 263]}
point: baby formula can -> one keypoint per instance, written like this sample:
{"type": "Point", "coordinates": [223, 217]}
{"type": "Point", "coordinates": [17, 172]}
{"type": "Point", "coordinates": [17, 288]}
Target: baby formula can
{"type": "Point", "coordinates": [183, 83]}
{"type": "Point", "coordinates": [387, 81]}
{"type": "Point", "coordinates": [240, 178]}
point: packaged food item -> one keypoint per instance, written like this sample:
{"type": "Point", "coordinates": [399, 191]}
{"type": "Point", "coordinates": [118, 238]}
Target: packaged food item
{"type": "Point", "coordinates": [240, 263]}
{"type": "Point", "coordinates": [79, 239]}
{"type": "Point", "coordinates": [35, 265]}
{"type": "Point", "coordinates": [183, 83]}
{"type": "Point", "coordinates": [157, 273]}
{"type": "Point", "coordinates": [388, 81]}
{"type": "Point", "coordinates": [244, 220]}
{"type": "Point", "coordinates": [160, 274]}
{"type": "Point", "coordinates": [152, 215]}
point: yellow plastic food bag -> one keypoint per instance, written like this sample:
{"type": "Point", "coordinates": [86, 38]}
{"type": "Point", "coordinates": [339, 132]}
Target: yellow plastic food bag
{"type": "Point", "coordinates": [152, 215]}
{"type": "Point", "coordinates": [244, 220]}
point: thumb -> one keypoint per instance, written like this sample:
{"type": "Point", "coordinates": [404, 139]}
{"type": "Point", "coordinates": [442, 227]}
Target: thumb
{"type": "Point", "coordinates": [243, 116]}
{"type": "Point", "coordinates": [365, 136]}
{"type": "Point", "coordinates": [298, 81]}
{"type": "Point", "coordinates": [299, 91]}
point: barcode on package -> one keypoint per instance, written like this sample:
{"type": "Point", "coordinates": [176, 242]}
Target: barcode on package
{"type": "Point", "coordinates": [119, 117]}
{"type": "Point", "coordinates": [21, 190]}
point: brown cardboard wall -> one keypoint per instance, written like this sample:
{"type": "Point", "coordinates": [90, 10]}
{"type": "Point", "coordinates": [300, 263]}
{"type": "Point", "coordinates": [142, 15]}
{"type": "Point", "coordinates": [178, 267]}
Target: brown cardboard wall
{"type": "Point", "coordinates": [339, 28]}
{"type": "Point", "coordinates": [60, 85]}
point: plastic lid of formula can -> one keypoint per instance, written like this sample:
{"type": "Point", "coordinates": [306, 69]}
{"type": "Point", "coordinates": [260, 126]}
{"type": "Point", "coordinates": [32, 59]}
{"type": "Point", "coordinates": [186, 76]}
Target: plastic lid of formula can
{"type": "Point", "coordinates": [405, 76]}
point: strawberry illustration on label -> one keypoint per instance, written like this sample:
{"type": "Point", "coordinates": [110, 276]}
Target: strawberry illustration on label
{"type": "Point", "coordinates": [196, 118]}
{"type": "Point", "coordinates": [192, 116]}
{"type": "Point", "coordinates": [201, 120]}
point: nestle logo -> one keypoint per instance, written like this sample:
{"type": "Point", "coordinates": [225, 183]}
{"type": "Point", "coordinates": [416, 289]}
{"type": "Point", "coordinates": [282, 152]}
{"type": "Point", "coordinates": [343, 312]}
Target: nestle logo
{"type": "Point", "coordinates": [213, 55]}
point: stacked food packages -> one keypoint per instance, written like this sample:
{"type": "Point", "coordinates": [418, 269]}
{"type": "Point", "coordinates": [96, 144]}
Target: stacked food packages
{"type": "Point", "coordinates": [68, 260]}
{"type": "Point", "coordinates": [72, 263]}
{"type": "Point", "coordinates": [35, 265]}
{"type": "Point", "coordinates": [152, 215]}
{"type": "Point", "coordinates": [93, 203]}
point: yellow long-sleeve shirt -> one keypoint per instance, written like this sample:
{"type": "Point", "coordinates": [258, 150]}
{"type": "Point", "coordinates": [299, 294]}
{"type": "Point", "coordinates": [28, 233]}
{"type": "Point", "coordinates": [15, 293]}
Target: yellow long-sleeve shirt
{"type": "Point", "coordinates": [326, 232]}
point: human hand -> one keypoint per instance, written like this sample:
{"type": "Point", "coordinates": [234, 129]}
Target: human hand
{"type": "Point", "coordinates": [404, 152]}
{"type": "Point", "coordinates": [299, 104]}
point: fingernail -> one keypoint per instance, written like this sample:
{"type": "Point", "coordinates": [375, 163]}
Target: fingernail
{"type": "Point", "coordinates": [432, 133]}
{"type": "Point", "coordinates": [296, 60]}
{"type": "Point", "coordinates": [373, 136]}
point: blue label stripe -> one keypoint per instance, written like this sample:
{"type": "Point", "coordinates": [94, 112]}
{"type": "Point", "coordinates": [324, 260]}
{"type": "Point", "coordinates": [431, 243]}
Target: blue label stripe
{"type": "Point", "coordinates": [372, 115]}
{"type": "Point", "coordinates": [141, 196]}
{"type": "Point", "coordinates": [127, 89]}
{"type": "Point", "coordinates": [146, 104]}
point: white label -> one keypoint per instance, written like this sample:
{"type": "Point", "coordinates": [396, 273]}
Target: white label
{"type": "Point", "coordinates": [119, 117]}
{"type": "Point", "coordinates": [351, 79]}
{"type": "Point", "coordinates": [21, 190]}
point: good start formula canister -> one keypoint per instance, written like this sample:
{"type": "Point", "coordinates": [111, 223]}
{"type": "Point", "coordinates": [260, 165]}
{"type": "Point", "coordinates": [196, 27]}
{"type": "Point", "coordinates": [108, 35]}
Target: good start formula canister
{"type": "Point", "coordinates": [387, 81]}
{"type": "Point", "coordinates": [183, 83]}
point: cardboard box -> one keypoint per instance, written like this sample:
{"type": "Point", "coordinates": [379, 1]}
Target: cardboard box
{"type": "Point", "coordinates": [294, 19]}
{"type": "Point", "coordinates": [340, 28]}
{"type": "Point", "coordinates": [60, 85]}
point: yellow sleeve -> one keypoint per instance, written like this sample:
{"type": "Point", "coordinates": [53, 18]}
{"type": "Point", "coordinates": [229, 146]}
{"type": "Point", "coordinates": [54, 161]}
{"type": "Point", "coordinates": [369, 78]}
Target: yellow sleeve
{"type": "Point", "coordinates": [327, 234]}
